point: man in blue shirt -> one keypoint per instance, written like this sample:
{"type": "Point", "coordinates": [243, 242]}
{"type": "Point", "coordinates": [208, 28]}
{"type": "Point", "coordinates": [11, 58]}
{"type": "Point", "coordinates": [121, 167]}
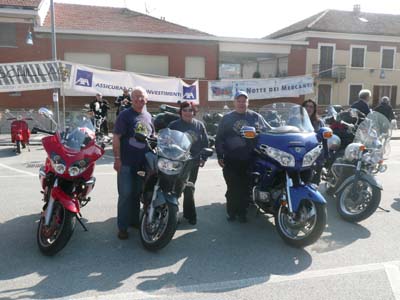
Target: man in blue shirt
{"type": "Point", "coordinates": [234, 155]}
{"type": "Point", "coordinates": [129, 155]}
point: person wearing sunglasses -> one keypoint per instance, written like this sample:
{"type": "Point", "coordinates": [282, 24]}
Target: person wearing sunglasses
{"type": "Point", "coordinates": [197, 131]}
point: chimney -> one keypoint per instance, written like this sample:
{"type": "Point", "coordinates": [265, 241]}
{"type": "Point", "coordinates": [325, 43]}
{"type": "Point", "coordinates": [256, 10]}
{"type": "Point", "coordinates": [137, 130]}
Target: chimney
{"type": "Point", "coordinates": [357, 9]}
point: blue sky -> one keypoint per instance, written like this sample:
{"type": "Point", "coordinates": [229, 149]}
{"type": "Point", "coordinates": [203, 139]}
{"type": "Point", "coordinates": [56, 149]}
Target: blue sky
{"type": "Point", "coordinates": [250, 18]}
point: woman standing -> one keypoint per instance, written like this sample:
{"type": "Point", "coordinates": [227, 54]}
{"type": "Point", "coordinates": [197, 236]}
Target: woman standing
{"type": "Point", "coordinates": [311, 108]}
{"type": "Point", "coordinates": [317, 123]}
{"type": "Point", "coordinates": [195, 128]}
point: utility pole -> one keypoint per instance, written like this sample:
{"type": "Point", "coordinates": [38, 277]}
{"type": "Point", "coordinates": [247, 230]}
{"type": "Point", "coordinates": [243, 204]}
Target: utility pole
{"type": "Point", "coordinates": [54, 57]}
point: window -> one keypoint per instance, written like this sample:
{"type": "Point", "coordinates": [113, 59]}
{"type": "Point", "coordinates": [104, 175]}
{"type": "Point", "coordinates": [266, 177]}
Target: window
{"type": "Point", "coordinates": [8, 35]}
{"type": "Point", "coordinates": [353, 92]}
{"type": "Point", "coordinates": [102, 60]}
{"type": "Point", "coordinates": [195, 67]}
{"type": "Point", "coordinates": [387, 57]}
{"type": "Point", "coordinates": [326, 60]}
{"type": "Point", "coordinates": [358, 56]}
{"type": "Point", "coordinates": [324, 94]}
{"type": "Point", "coordinates": [227, 71]}
{"type": "Point", "coordinates": [147, 64]}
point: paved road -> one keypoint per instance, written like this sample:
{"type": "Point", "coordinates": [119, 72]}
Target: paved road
{"type": "Point", "coordinates": [212, 260]}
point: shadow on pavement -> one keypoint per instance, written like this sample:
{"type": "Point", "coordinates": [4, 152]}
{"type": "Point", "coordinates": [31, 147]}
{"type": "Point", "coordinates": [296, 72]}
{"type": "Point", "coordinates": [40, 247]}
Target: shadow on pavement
{"type": "Point", "coordinates": [212, 251]}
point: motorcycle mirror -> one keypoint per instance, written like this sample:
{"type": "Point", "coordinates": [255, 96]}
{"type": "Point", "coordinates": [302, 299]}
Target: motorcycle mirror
{"type": "Point", "coordinates": [207, 152]}
{"type": "Point", "coordinates": [45, 112]}
{"type": "Point", "coordinates": [140, 137]}
{"type": "Point", "coordinates": [248, 132]}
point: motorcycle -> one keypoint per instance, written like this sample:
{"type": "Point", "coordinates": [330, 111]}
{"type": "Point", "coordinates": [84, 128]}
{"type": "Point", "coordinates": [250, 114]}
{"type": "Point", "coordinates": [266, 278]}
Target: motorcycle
{"type": "Point", "coordinates": [98, 120]}
{"type": "Point", "coordinates": [20, 133]}
{"type": "Point", "coordinates": [351, 177]}
{"type": "Point", "coordinates": [211, 122]}
{"type": "Point", "coordinates": [166, 115]}
{"type": "Point", "coordinates": [285, 154]}
{"type": "Point", "coordinates": [66, 180]}
{"type": "Point", "coordinates": [166, 177]}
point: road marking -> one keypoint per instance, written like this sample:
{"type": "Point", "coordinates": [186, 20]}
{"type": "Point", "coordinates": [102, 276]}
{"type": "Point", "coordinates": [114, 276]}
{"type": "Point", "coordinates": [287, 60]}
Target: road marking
{"type": "Point", "coordinates": [391, 268]}
{"type": "Point", "coordinates": [18, 170]}
{"type": "Point", "coordinates": [393, 274]}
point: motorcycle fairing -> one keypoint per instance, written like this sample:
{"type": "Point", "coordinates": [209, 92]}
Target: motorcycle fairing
{"type": "Point", "coordinates": [162, 198]}
{"type": "Point", "coordinates": [67, 202]}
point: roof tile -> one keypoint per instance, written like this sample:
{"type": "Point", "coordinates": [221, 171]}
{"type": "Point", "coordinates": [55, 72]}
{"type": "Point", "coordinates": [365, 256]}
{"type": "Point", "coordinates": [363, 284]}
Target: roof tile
{"type": "Point", "coordinates": [112, 19]}
{"type": "Point", "coordinates": [20, 3]}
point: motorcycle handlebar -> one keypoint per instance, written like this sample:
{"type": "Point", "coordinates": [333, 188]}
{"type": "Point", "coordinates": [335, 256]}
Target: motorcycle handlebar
{"type": "Point", "coordinates": [36, 129]}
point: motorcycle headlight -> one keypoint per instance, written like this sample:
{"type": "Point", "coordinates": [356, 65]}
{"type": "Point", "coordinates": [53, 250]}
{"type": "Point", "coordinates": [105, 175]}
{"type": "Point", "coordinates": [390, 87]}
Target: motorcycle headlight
{"type": "Point", "coordinates": [169, 167]}
{"type": "Point", "coordinates": [284, 158]}
{"type": "Point", "coordinates": [77, 168]}
{"type": "Point", "coordinates": [311, 156]}
{"type": "Point", "coordinates": [58, 163]}
{"type": "Point", "coordinates": [59, 168]}
{"type": "Point", "coordinates": [352, 151]}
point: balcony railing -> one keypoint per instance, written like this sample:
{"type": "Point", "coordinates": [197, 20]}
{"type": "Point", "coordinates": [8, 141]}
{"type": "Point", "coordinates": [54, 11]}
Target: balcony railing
{"type": "Point", "coordinates": [337, 72]}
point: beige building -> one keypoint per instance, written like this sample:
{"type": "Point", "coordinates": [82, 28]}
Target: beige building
{"type": "Point", "coordinates": [349, 51]}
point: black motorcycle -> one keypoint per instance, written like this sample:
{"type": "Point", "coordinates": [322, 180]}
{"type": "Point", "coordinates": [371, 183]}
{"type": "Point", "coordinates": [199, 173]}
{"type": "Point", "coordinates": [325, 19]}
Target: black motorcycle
{"type": "Point", "coordinates": [166, 177]}
{"type": "Point", "coordinates": [211, 122]}
{"type": "Point", "coordinates": [166, 115]}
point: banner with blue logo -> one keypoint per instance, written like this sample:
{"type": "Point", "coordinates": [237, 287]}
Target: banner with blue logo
{"type": "Point", "coordinates": [80, 80]}
{"type": "Point", "coordinates": [89, 81]}
{"type": "Point", "coordinates": [224, 90]}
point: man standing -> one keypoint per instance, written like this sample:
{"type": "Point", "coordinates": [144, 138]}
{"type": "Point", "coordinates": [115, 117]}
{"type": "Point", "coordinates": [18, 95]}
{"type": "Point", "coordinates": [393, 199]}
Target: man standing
{"type": "Point", "coordinates": [362, 103]}
{"type": "Point", "coordinates": [129, 155]}
{"type": "Point", "coordinates": [234, 154]}
{"type": "Point", "coordinates": [124, 101]}
{"type": "Point", "coordinates": [385, 108]}
{"type": "Point", "coordinates": [99, 108]}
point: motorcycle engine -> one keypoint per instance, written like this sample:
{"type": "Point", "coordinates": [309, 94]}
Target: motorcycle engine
{"type": "Point", "coordinates": [265, 197]}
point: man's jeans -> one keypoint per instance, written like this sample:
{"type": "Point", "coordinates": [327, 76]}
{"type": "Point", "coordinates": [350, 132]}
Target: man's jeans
{"type": "Point", "coordinates": [129, 192]}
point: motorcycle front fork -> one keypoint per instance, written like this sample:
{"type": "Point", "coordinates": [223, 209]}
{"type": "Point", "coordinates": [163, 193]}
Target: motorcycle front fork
{"type": "Point", "coordinates": [50, 205]}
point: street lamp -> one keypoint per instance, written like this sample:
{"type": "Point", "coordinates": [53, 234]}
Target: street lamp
{"type": "Point", "coordinates": [54, 56]}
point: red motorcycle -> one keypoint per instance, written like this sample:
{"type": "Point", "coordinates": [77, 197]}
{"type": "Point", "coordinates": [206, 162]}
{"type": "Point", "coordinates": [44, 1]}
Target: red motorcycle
{"type": "Point", "coordinates": [66, 180]}
{"type": "Point", "coordinates": [20, 132]}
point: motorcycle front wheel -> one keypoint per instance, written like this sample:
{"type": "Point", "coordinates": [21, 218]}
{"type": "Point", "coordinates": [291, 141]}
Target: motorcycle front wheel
{"type": "Point", "coordinates": [51, 239]}
{"type": "Point", "coordinates": [358, 200]}
{"type": "Point", "coordinates": [157, 233]}
{"type": "Point", "coordinates": [305, 226]}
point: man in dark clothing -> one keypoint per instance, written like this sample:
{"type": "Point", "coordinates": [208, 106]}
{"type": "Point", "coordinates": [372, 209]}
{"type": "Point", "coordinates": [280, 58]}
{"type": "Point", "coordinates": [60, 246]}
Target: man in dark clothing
{"type": "Point", "coordinates": [99, 108]}
{"type": "Point", "coordinates": [123, 102]}
{"type": "Point", "coordinates": [195, 128]}
{"type": "Point", "coordinates": [385, 109]}
{"type": "Point", "coordinates": [362, 103]}
{"type": "Point", "coordinates": [234, 155]}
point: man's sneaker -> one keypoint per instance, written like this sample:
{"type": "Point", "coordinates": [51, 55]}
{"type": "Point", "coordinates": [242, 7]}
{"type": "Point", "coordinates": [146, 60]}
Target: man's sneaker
{"type": "Point", "coordinates": [123, 234]}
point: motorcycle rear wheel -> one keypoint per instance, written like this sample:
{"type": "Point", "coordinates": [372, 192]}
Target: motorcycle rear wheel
{"type": "Point", "coordinates": [159, 232]}
{"type": "Point", "coordinates": [354, 210]}
{"type": "Point", "coordinates": [51, 239]}
{"type": "Point", "coordinates": [304, 229]}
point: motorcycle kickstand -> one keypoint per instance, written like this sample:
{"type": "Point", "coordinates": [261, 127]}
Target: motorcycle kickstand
{"type": "Point", "coordinates": [78, 217]}
{"type": "Point", "coordinates": [385, 210]}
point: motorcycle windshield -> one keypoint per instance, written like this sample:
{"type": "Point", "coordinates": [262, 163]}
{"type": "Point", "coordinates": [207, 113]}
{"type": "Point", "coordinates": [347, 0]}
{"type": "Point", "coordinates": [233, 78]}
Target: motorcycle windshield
{"type": "Point", "coordinates": [286, 118]}
{"type": "Point", "coordinates": [79, 131]}
{"type": "Point", "coordinates": [173, 144]}
{"type": "Point", "coordinates": [374, 132]}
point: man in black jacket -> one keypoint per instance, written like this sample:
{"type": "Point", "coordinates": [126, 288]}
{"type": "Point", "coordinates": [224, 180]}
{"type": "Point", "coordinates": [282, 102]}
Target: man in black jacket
{"type": "Point", "coordinates": [362, 103]}
{"type": "Point", "coordinates": [123, 102]}
{"type": "Point", "coordinates": [385, 109]}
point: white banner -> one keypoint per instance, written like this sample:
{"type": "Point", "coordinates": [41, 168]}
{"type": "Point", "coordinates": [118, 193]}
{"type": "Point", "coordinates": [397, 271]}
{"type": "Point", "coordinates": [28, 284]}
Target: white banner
{"type": "Point", "coordinates": [36, 75]}
{"type": "Point", "coordinates": [224, 90]}
{"type": "Point", "coordinates": [80, 80]}
{"type": "Point", "coordinates": [89, 81]}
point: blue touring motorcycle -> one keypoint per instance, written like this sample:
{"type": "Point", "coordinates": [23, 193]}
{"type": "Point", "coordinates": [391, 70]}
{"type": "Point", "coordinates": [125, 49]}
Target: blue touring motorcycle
{"type": "Point", "coordinates": [286, 153]}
